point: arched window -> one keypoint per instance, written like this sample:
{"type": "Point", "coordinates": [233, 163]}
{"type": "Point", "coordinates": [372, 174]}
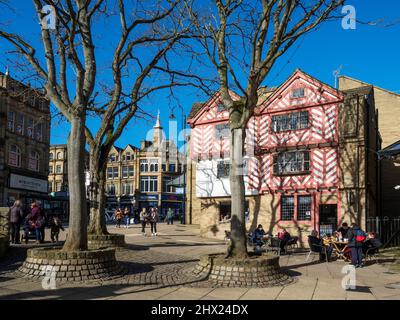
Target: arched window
{"type": "Point", "coordinates": [33, 161]}
{"type": "Point", "coordinates": [51, 156]}
{"type": "Point", "coordinates": [14, 156]}
{"type": "Point", "coordinates": [59, 155]}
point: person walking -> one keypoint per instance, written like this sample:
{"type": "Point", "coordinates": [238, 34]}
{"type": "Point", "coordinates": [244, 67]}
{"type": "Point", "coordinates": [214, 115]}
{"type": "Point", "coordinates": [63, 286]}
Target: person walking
{"type": "Point", "coordinates": [38, 219]}
{"type": "Point", "coordinates": [118, 217]}
{"type": "Point", "coordinates": [127, 214]}
{"type": "Point", "coordinates": [356, 240]}
{"type": "Point", "coordinates": [16, 216]}
{"type": "Point", "coordinates": [143, 217]}
{"type": "Point", "coordinates": [153, 221]}
{"type": "Point", "coordinates": [170, 216]}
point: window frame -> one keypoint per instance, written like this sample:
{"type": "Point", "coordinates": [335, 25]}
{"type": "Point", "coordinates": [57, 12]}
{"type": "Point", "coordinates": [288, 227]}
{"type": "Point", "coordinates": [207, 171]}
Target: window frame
{"type": "Point", "coordinates": [305, 163]}
{"type": "Point", "coordinates": [294, 96]}
{"type": "Point", "coordinates": [287, 120]}
{"type": "Point", "coordinates": [223, 165]}
{"type": "Point", "coordinates": [16, 153]}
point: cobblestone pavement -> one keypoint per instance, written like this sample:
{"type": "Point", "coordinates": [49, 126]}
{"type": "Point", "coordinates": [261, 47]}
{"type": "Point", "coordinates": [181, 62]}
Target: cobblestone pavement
{"type": "Point", "coordinates": [160, 268]}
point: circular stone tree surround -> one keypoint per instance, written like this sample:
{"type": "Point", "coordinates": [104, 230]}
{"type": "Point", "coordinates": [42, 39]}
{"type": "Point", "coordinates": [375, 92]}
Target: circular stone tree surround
{"type": "Point", "coordinates": [71, 266]}
{"type": "Point", "coordinates": [255, 271]}
{"type": "Point", "coordinates": [116, 241]}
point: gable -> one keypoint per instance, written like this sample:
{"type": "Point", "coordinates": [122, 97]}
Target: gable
{"type": "Point", "coordinates": [300, 90]}
{"type": "Point", "coordinates": [210, 111]}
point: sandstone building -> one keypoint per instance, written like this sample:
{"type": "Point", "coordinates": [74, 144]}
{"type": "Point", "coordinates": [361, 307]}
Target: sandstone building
{"type": "Point", "coordinates": [24, 142]}
{"type": "Point", "coordinates": [387, 104]}
{"type": "Point", "coordinates": [139, 177]}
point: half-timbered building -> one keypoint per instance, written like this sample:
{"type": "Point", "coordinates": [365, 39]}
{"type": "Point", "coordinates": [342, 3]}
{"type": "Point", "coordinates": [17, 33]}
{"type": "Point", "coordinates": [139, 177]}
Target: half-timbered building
{"type": "Point", "coordinates": [295, 144]}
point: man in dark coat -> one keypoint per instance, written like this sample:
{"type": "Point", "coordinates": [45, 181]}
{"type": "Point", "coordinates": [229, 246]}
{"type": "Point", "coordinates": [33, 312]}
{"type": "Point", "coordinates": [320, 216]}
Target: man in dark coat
{"type": "Point", "coordinates": [356, 240]}
{"type": "Point", "coordinates": [16, 216]}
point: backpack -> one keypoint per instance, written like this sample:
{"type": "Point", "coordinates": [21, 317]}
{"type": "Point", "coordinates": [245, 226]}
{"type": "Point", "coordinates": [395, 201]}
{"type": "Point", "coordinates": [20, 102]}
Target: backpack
{"type": "Point", "coordinates": [360, 236]}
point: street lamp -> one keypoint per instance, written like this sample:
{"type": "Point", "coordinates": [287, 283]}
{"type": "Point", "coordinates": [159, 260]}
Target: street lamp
{"type": "Point", "coordinates": [397, 187]}
{"type": "Point", "coordinates": [172, 117]}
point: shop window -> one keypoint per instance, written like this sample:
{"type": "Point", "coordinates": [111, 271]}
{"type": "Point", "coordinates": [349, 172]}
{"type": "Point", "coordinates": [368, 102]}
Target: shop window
{"type": "Point", "coordinates": [287, 208]}
{"type": "Point", "coordinates": [304, 208]}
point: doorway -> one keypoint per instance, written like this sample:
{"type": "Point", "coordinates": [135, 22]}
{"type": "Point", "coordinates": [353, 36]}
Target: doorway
{"type": "Point", "coordinates": [327, 218]}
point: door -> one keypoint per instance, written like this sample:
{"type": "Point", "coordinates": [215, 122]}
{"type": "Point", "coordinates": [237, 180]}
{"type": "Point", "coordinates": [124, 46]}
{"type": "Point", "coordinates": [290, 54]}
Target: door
{"type": "Point", "coordinates": [327, 218]}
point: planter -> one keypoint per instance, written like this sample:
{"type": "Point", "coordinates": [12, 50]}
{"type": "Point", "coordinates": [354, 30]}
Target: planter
{"type": "Point", "coordinates": [255, 271]}
{"type": "Point", "coordinates": [71, 266]}
{"type": "Point", "coordinates": [116, 241]}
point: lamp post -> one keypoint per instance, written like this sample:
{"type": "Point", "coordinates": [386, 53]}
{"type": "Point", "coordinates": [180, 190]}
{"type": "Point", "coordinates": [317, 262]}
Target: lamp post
{"type": "Point", "coordinates": [183, 126]}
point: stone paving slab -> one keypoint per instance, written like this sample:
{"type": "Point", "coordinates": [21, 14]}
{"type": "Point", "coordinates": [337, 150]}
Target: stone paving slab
{"type": "Point", "coordinates": [303, 289]}
{"type": "Point", "coordinates": [225, 294]}
{"type": "Point", "coordinates": [160, 268]}
{"type": "Point", "coordinates": [262, 293]}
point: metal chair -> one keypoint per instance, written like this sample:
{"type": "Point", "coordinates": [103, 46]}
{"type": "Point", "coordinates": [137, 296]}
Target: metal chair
{"type": "Point", "coordinates": [274, 245]}
{"type": "Point", "coordinates": [317, 249]}
{"type": "Point", "coordinates": [372, 254]}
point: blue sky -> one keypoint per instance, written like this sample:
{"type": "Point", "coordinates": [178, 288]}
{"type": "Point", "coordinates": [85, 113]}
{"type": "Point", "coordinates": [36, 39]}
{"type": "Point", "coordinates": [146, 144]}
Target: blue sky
{"type": "Point", "coordinates": [369, 53]}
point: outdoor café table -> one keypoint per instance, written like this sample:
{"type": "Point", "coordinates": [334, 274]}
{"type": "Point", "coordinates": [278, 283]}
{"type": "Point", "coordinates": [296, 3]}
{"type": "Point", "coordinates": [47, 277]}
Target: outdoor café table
{"type": "Point", "coordinates": [339, 247]}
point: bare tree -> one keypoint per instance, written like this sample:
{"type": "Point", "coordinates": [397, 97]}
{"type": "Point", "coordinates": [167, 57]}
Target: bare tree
{"type": "Point", "coordinates": [264, 30]}
{"type": "Point", "coordinates": [165, 28]}
{"type": "Point", "coordinates": [70, 45]}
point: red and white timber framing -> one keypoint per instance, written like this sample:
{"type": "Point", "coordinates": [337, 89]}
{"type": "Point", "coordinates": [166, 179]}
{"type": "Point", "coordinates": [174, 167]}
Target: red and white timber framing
{"type": "Point", "coordinates": [320, 138]}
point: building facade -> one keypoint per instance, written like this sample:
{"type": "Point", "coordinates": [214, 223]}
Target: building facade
{"type": "Point", "coordinates": [58, 171]}
{"type": "Point", "coordinates": [139, 177]}
{"type": "Point", "coordinates": [388, 106]}
{"type": "Point", "coordinates": [24, 142]}
{"type": "Point", "coordinates": [298, 167]}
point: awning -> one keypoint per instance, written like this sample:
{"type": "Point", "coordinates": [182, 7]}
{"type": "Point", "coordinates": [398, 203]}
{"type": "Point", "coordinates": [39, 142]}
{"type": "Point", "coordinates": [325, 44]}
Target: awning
{"type": "Point", "coordinates": [390, 152]}
{"type": "Point", "coordinates": [177, 182]}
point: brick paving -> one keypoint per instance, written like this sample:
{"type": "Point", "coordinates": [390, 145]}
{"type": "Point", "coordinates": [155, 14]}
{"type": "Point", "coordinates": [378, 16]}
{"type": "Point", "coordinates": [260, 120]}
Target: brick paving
{"type": "Point", "coordinates": [161, 268]}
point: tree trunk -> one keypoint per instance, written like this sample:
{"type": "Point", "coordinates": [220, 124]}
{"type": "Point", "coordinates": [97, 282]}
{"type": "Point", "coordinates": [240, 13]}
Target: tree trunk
{"type": "Point", "coordinates": [97, 223]}
{"type": "Point", "coordinates": [238, 245]}
{"type": "Point", "coordinates": [77, 231]}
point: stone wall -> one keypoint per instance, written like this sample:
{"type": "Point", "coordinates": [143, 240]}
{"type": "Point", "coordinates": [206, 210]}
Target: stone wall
{"type": "Point", "coordinates": [71, 266]}
{"type": "Point", "coordinates": [116, 241]}
{"type": "Point", "coordinates": [262, 271]}
{"type": "Point", "coordinates": [4, 231]}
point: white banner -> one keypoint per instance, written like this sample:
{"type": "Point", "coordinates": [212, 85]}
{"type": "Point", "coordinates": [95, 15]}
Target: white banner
{"type": "Point", "coordinates": [28, 183]}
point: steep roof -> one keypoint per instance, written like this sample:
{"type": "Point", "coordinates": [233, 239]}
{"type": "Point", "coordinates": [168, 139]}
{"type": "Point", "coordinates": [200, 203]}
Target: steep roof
{"type": "Point", "coordinates": [196, 107]}
{"type": "Point", "coordinates": [365, 90]}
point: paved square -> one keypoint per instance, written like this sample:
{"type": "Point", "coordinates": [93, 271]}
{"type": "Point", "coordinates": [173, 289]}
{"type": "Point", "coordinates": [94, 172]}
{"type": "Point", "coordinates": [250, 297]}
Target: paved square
{"type": "Point", "coordinates": [159, 268]}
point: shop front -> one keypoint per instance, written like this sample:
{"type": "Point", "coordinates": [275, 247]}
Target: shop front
{"type": "Point", "coordinates": [128, 202]}
{"type": "Point", "coordinates": [26, 189]}
{"type": "Point", "coordinates": [148, 201]}
{"type": "Point", "coordinates": [174, 202]}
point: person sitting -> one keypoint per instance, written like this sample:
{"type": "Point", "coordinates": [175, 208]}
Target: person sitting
{"type": "Point", "coordinates": [317, 245]}
{"type": "Point", "coordinates": [259, 235]}
{"type": "Point", "coordinates": [372, 244]}
{"type": "Point", "coordinates": [28, 226]}
{"type": "Point", "coordinates": [343, 230]}
{"type": "Point", "coordinates": [284, 238]}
